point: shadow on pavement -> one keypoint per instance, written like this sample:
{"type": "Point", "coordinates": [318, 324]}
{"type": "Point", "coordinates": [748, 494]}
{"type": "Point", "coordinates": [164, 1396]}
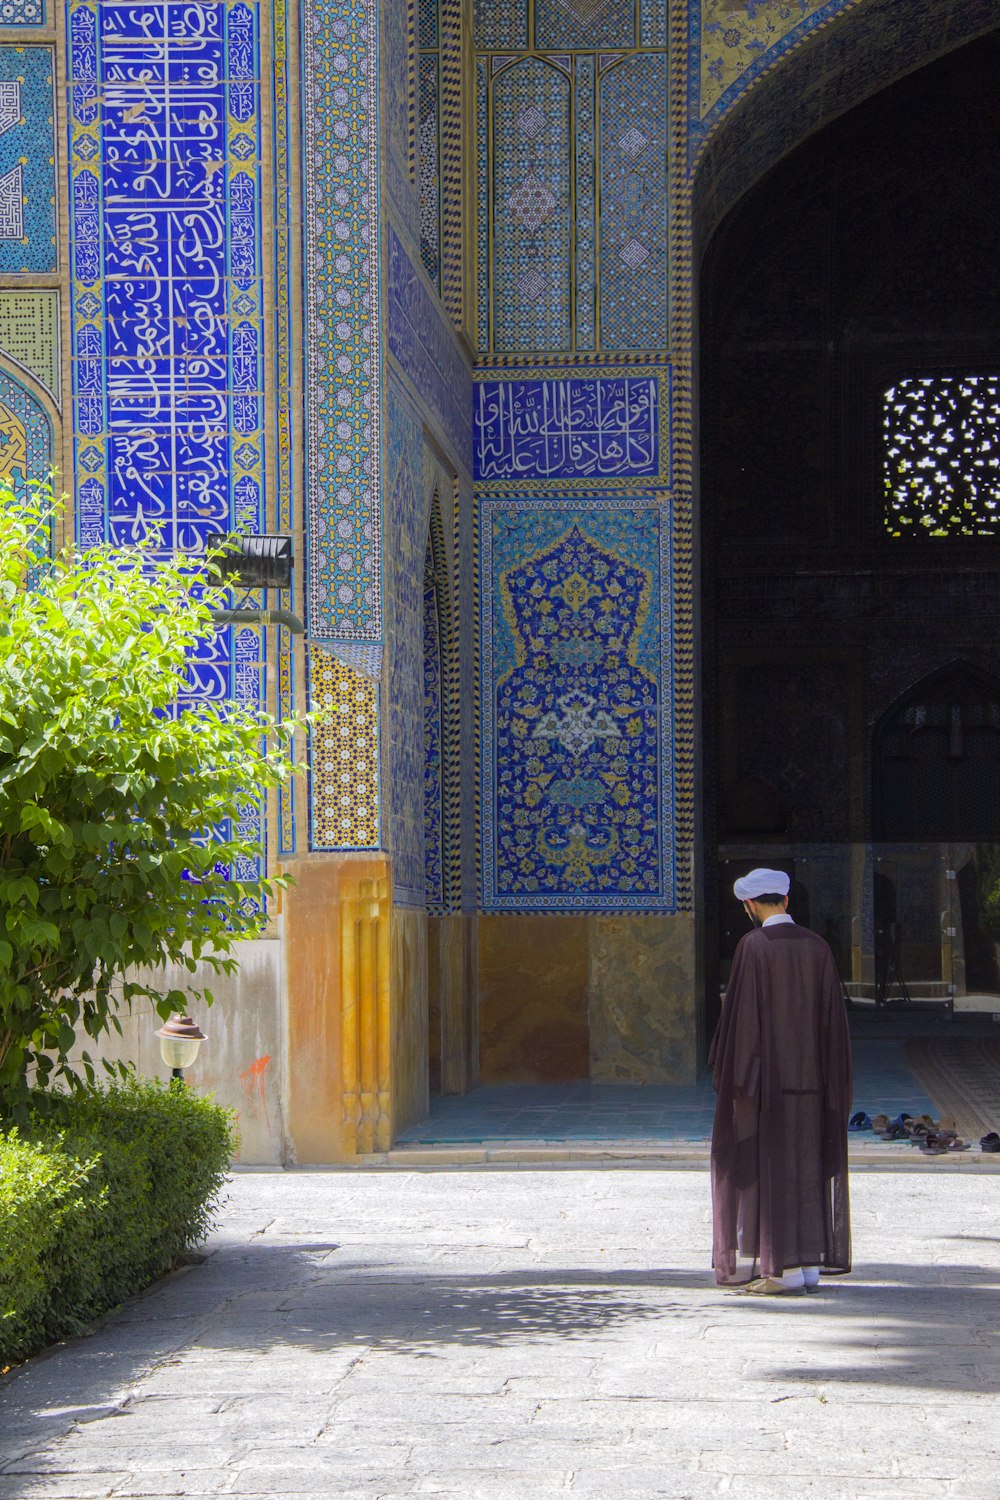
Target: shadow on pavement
{"type": "Point", "coordinates": [919, 1328]}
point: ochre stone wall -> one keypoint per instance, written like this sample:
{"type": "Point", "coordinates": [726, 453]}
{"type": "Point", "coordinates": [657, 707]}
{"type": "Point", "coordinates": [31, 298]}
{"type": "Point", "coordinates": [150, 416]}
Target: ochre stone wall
{"type": "Point", "coordinates": [609, 999]}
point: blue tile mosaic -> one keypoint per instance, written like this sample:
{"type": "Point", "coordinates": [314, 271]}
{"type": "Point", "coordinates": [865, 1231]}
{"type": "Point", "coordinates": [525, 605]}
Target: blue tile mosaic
{"type": "Point", "coordinates": [429, 165]}
{"type": "Point", "coordinates": [554, 274]}
{"type": "Point", "coordinates": [25, 435]}
{"type": "Point", "coordinates": [23, 13]}
{"type": "Point", "coordinates": [576, 800]}
{"type": "Point", "coordinates": [632, 232]}
{"type": "Point", "coordinates": [423, 343]}
{"type": "Point", "coordinates": [653, 22]}
{"type": "Point", "coordinates": [563, 428]}
{"type": "Point", "coordinates": [398, 105]}
{"type": "Point", "coordinates": [27, 159]}
{"type": "Point", "coordinates": [427, 25]}
{"type": "Point", "coordinates": [286, 265]}
{"type": "Point", "coordinates": [341, 164]}
{"type": "Point", "coordinates": [165, 238]}
{"type": "Point", "coordinates": [433, 743]}
{"type": "Point", "coordinates": [531, 170]}
{"type": "Point", "coordinates": [500, 23]}
{"type": "Point", "coordinates": [730, 47]}
{"type": "Point", "coordinates": [404, 722]}
{"type": "Point", "coordinates": [585, 248]}
{"type": "Point", "coordinates": [167, 291]}
{"type": "Point", "coordinates": [565, 24]}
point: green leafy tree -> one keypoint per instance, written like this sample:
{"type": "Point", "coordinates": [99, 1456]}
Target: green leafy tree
{"type": "Point", "coordinates": [119, 814]}
{"type": "Point", "coordinates": [988, 869]}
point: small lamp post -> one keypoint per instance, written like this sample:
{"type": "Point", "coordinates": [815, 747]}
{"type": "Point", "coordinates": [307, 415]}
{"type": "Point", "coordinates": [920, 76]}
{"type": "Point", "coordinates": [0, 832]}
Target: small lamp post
{"type": "Point", "coordinates": [180, 1039]}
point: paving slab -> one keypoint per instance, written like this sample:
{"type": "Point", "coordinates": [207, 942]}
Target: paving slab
{"type": "Point", "coordinates": [527, 1332]}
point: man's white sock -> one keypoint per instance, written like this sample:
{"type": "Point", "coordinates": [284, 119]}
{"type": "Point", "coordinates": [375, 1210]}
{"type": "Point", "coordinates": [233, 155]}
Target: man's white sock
{"type": "Point", "coordinates": [810, 1275]}
{"type": "Point", "coordinates": [794, 1280]}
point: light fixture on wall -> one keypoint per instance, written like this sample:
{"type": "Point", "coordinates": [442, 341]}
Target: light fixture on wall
{"type": "Point", "coordinates": [180, 1040]}
{"type": "Point", "coordinates": [258, 561]}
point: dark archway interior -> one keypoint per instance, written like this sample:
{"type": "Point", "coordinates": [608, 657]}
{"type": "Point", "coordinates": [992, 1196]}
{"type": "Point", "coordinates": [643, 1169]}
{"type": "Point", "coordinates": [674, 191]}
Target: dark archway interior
{"type": "Point", "coordinates": [850, 543]}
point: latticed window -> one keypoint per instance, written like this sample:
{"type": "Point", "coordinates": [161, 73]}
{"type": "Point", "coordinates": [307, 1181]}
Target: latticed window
{"type": "Point", "coordinates": [941, 456]}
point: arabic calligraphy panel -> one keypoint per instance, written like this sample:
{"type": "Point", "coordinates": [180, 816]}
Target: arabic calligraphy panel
{"type": "Point", "coordinates": [167, 296]}
{"type": "Point", "coordinates": [587, 429]}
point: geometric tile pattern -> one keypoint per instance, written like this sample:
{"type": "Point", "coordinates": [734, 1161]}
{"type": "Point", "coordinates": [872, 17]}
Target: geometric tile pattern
{"type": "Point", "coordinates": [427, 25]}
{"type": "Point", "coordinates": [566, 426]}
{"type": "Point", "coordinates": [285, 256]}
{"type": "Point", "coordinates": [442, 716]}
{"type": "Point", "coordinates": [165, 247]}
{"type": "Point", "coordinates": [429, 166]}
{"type": "Point", "coordinates": [29, 334]}
{"type": "Point", "coordinates": [343, 760]}
{"type": "Point", "coordinates": [403, 711]}
{"type": "Point", "coordinates": [398, 104]}
{"type": "Point", "coordinates": [531, 207]}
{"type": "Point", "coordinates": [632, 288]}
{"type": "Point", "coordinates": [433, 737]}
{"type": "Point", "coordinates": [584, 24]}
{"type": "Point", "coordinates": [732, 45]}
{"type": "Point", "coordinates": [340, 114]}
{"type": "Point", "coordinates": [455, 149]}
{"type": "Point", "coordinates": [27, 159]}
{"type": "Point", "coordinates": [576, 804]}
{"type": "Point", "coordinates": [554, 274]}
{"type": "Point", "coordinates": [24, 13]}
{"type": "Point", "coordinates": [451, 551]}
{"type": "Point", "coordinates": [482, 220]}
{"type": "Point", "coordinates": [501, 23]}
{"type": "Point", "coordinates": [585, 266]}
{"type": "Point", "coordinates": [653, 23]}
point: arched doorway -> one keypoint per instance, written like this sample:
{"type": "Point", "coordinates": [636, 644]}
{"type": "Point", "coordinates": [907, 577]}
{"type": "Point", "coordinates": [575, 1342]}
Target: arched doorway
{"type": "Point", "coordinates": [849, 353]}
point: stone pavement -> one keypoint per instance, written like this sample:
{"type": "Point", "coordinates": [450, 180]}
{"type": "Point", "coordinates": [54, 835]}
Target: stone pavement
{"type": "Point", "coordinates": [525, 1333]}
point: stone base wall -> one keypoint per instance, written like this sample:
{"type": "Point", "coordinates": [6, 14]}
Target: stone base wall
{"type": "Point", "coordinates": [610, 999]}
{"type": "Point", "coordinates": [243, 1062]}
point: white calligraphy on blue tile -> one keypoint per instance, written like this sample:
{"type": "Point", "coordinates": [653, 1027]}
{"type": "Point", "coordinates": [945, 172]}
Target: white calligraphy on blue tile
{"type": "Point", "coordinates": [605, 428]}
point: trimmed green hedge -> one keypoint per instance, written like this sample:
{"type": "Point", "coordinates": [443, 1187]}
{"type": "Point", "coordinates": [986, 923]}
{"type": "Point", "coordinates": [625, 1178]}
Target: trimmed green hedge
{"type": "Point", "coordinates": [94, 1208]}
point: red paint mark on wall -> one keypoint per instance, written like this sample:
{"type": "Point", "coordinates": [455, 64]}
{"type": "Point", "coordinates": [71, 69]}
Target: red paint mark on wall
{"type": "Point", "coordinates": [255, 1089]}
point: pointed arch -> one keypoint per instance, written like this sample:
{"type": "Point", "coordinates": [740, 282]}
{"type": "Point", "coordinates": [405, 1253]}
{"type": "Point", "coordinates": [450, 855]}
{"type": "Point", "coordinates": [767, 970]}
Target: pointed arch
{"type": "Point", "coordinates": [936, 759]}
{"type": "Point", "coordinates": [848, 59]}
{"type": "Point", "coordinates": [27, 426]}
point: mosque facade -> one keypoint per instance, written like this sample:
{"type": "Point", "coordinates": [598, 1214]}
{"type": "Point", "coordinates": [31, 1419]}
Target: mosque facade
{"type": "Point", "coordinates": [419, 284]}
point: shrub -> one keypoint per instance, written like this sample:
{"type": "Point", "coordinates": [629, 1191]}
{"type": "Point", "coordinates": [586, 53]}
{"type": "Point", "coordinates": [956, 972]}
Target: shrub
{"type": "Point", "coordinates": [95, 1210]}
{"type": "Point", "coordinates": [122, 811]}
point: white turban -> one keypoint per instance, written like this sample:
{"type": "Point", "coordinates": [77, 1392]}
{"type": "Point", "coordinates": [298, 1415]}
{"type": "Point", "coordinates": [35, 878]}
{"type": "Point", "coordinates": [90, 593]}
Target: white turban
{"type": "Point", "coordinates": [761, 883]}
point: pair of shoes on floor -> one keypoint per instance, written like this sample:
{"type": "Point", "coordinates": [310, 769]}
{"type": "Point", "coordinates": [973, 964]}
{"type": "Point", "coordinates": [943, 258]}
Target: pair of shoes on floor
{"type": "Point", "coordinates": [924, 1125]}
{"type": "Point", "coordinates": [941, 1142]}
{"type": "Point", "coordinates": [990, 1142]}
{"type": "Point", "coordinates": [898, 1129]}
{"type": "Point", "coordinates": [772, 1286]}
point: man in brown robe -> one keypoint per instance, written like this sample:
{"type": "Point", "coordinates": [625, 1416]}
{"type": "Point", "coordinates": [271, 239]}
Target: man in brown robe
{"type": "Point", "coordinates": [781, 1061]}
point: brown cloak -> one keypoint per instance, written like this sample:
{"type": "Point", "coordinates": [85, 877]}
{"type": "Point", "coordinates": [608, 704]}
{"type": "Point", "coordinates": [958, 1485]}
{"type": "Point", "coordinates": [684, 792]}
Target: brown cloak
{"type": "Point", "coordinates": [781, 1062]}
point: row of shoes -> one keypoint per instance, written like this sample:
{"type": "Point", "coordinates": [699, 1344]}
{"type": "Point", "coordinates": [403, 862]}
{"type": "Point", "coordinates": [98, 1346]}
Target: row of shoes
{"type": "Point", "coordinates": [933, 1137]}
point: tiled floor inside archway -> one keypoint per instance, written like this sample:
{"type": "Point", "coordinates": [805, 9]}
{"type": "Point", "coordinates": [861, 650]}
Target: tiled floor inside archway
{"type": "Point", "coordinates": [575, 1114]}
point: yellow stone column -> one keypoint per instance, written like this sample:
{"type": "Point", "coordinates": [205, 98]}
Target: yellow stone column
{"type": "Point", "coordinates": [337, 921]}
